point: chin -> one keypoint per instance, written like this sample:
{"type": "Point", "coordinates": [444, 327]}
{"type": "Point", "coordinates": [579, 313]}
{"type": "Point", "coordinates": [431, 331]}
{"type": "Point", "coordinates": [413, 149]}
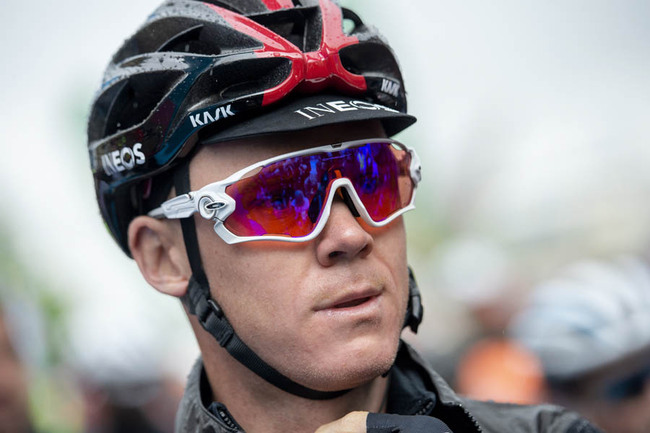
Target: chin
{"type": "Point", "coordinates": [353, 365]}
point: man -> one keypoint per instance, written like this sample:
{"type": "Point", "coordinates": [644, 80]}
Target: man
{"type": "Point", "coordinates": [590, 327]}
{"type": "Point", "coordinates": [241, 157]}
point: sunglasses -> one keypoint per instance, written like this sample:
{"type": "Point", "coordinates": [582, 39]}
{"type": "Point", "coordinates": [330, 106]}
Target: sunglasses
{"type": "Point", "coordinates": [289, 197]}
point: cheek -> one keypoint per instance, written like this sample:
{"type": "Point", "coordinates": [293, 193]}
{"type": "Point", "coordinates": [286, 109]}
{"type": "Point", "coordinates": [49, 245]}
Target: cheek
{"type": "Point", "coordinates": [390, 247]}
{"type": "Point", "coordinates": [256, 289]}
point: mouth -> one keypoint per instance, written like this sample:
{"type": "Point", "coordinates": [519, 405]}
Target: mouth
{"type": "Point", "coordinates": [351, 301]}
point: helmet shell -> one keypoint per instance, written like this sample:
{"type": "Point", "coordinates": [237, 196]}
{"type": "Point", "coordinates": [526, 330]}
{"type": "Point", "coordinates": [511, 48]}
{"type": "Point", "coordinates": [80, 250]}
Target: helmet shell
{"type": "Point", "coordinates": [196, 68]}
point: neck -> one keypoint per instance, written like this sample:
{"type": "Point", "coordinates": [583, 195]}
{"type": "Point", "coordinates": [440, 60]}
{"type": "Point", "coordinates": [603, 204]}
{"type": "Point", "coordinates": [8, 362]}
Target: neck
{"type": "Point", "coordinates": [260, 407]}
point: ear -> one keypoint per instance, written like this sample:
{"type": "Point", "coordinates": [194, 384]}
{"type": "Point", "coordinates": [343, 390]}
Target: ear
{"type": "Point", "coordinates": [158, 249]}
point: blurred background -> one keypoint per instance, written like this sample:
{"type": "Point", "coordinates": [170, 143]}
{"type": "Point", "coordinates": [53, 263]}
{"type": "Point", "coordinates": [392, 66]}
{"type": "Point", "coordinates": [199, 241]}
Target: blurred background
{"type": "Point", "coordinates": [533, 133]}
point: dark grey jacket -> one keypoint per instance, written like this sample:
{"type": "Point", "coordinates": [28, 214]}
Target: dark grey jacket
{"type": "Point", "coordinates": [415, 389]}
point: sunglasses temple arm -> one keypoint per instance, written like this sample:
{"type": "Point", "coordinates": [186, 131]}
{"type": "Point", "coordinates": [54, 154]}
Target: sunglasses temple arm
{"type": "Point", "coordinates": [416, 167]}
{"type": "Point", "coordinates": [178, 207]}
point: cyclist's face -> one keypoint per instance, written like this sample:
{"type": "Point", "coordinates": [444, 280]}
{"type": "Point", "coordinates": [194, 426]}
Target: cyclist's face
{"type": "Point", "coordinates": [327, 313]}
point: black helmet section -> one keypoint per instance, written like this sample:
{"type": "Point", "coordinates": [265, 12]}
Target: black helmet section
{"type": "Point", "coordinates": [197, 66]}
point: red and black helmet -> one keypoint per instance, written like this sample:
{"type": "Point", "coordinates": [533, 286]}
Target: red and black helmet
{"type": "Point", "coordinates": [199, 70]}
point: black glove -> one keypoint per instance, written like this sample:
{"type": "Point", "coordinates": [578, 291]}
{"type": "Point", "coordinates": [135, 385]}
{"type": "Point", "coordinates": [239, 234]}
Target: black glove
{"type": "Point", "coordinates": [387, 423]}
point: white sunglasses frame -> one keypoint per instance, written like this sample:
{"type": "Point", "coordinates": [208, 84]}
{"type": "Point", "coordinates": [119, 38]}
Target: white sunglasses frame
{"type": "Point", "coordinates": [212, 202]}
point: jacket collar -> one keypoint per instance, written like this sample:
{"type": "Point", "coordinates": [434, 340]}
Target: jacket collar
{"type": "Point", "coordinates": [410, 391]}
{"type": "Point", "coordinates": [449, 407]}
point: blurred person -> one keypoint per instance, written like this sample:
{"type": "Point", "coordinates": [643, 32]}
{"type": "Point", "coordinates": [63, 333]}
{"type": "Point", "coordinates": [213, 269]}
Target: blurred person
{"type": "Point", "coordinates": [484, 363]}
{"type": "Point", "coordinates": [14, 402]}
{"type": "Point", "coordinates": [122, 378]}
{"type": "Point", "coordinates": [139, 407]}
{"type": "Point", "coordinates": [241, 156]}
{"type": "Point", "coordinates": [499, 368]}
{"type": "Point", "coordinates": [478, 274]}
{"type": "Point", "coordinates": [590, 327]}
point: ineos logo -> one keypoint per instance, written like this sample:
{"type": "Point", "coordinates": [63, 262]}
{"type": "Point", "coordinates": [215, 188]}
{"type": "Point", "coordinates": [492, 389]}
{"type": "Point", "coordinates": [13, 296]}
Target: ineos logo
{"type": "Point", "coordinates": [123, 159]}
{"type": "Point", "coordinates": [335, 107]}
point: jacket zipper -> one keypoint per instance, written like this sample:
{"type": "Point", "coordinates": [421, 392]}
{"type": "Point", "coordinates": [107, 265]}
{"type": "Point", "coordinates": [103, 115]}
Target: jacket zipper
{"type": "Point", "coordinates": [219, 410]}
{"type": "Point", "coordinates": [470, 416]}
{"type": "Point", "coordinates": [424, 410]}
{"type": "Point", "coordinates": [227, 420]}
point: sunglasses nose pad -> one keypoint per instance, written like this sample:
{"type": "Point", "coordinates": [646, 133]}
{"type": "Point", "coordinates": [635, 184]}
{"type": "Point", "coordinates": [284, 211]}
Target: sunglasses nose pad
{"type": "Point", "coordinates": [318, 202]}
{"type": "Point", "coordinates": [345, 195]}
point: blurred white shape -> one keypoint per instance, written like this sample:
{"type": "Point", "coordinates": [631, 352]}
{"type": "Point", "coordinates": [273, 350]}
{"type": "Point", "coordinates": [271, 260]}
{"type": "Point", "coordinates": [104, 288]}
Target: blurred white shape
{"type": "Point", "coordinates": [473, 271]}
{"type": "Point", "coordinates": [594, 313]}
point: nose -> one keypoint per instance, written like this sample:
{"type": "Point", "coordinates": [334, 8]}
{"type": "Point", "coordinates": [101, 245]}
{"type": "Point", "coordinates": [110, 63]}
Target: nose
{"type": "Point", "coordinates": [343, 238]}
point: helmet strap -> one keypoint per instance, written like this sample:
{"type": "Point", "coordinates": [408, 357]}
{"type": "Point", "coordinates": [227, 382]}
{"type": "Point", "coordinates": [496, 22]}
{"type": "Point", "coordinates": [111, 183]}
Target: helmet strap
{"type": "Point", "coordinates": [415, 311]}
{"type": "Point", "coordinates": [212, 318]}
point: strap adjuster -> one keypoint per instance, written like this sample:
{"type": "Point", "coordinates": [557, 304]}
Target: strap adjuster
{"type": "Point", "coordinates": [215, 308]}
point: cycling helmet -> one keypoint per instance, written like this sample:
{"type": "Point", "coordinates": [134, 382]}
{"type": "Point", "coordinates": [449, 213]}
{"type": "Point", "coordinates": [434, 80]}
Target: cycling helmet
{"type": "Point", "coordinates": [208, 71]}
{"type": "Point", "coordinates": [594, 314]}
{"type": "Point", "coordinates": [217, 70]}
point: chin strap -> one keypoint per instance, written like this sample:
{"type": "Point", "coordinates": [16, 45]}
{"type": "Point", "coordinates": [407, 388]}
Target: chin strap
{"type": "Point", "coordinates": [212, 318]}
{"type": "Point", "coordinates": [415, 311]}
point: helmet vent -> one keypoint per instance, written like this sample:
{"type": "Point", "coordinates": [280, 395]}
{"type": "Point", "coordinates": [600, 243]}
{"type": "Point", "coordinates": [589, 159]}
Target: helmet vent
{"type": "Point", "coordinates": [302, 27]}
{"type": "Point", "coordinates": [183, 35]}
{"type": "Point", "coordinates": [193, 41]}
{"type": "Point", "coordinates": [237, 79]}
{"type": "Point", "coordinates": [351, 21]}
{"type": "Point", "coordinates": [369, 57]}
{"type": "Point", "coordinates": [130, 103]}
{"type": "Point", "coordinates": [240, 6]}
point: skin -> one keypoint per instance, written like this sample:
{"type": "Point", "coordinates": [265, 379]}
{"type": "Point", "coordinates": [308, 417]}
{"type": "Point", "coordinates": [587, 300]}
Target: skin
{"type": "Point", "coordinates": [14, 408]}
{"type": "Point", "coordinates": [354, 422]}
{"type": "Point", "coordinates": [286, 300]}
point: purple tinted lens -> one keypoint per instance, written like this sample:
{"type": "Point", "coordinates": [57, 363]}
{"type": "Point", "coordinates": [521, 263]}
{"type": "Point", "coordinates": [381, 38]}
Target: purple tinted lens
{"type": "Point", "coordinates": [287, 197]}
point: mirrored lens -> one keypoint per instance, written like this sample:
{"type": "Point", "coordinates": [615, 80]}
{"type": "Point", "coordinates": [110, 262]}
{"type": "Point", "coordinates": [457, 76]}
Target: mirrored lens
{"type": "Point", "coordinates": [382, 180]}
{"type": "Point", "coordinates": [287, 197]}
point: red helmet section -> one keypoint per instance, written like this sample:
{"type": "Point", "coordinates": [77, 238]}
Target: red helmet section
{"type": "Point", "coordinates": [275, 5]}
{"type": "Point", "coordinates": [313, 71]}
